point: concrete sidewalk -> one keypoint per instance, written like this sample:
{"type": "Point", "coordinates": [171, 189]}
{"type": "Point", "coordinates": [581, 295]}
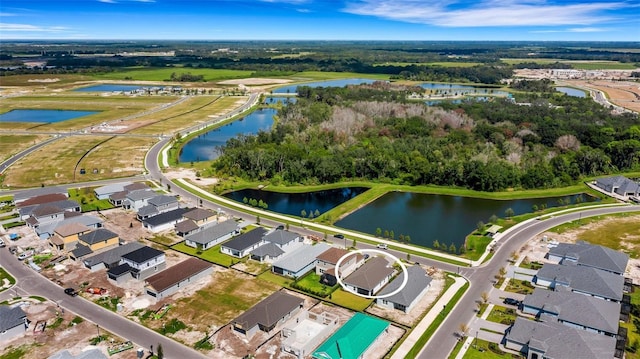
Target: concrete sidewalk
{"type": "Point", "coordinates": [422, 326]}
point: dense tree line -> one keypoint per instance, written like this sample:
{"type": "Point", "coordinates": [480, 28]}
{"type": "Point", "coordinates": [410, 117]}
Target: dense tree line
{"type": "Point", "coordinates": [331, 134]}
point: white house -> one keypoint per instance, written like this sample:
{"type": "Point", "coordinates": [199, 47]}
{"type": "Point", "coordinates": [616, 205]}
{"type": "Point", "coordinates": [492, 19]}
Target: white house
{"type": "Point", "coordinates": [210, 236]}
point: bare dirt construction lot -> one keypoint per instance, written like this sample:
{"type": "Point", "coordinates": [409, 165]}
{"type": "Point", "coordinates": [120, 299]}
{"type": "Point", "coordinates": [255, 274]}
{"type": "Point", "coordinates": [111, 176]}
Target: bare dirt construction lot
{"type": "Point", "coordinates": [622, 93]}
{"type": "Point", "coordinates": [537, 248]}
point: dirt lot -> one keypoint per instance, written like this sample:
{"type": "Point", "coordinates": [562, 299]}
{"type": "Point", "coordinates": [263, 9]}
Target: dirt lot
{"type": "Point", "coordinates": [622, 93]}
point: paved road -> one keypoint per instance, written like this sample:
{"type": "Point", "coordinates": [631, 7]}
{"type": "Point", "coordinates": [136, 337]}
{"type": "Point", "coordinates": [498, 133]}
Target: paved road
{"type": "Point", "coordinates": [481, 278]}
{"type": "Point", "coordinates": [13, 159]}
{"type": "Point", "coordinates": [32, 283]}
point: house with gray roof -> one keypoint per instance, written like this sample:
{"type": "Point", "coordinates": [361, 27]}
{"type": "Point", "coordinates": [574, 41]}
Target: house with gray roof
{"type": "Point", "coordinates": [48, 212]}
{"type": "Point", "coordinates": [278, 242]}
{"type": "Point", "coordinates": [267, 253]}
{"type": "Point", "coordinates": [25, 195]}
{"type": "Point", "coordinates": [200, 216]}
{"type": "Point", "coordinates": [13, 322]}
{"type": "Point", "coordinates": [550, 339]}
{"type": "Point", "coordinates": [157, 205]}
{"type": "Point", "coordinates": [619, 185]}
{"type": "Point", "coordinates": [110, 258]}
{"type": "Point", "coordinates": [267, 314]}
{"type": "Point", "coordinates": [417, 285]}
{"type": "Point", "coordinates": [581, 279]}
{"type": "Point", "coordinates": [144, 262]}
{"type": "Point", "coordinates": [186, 227]}
{"type": "Point", "coordinates": [79, 252]}
{"type": "Point", "coordinates": [47, 230]}
{"type": "Point", "coordinates": [104, 192]}
{"type": "Point", "coordinates": [374, 274]}
{"type": "Point", "coordinates": [94, 353]}
{"type": "Point", "coordinates": [137, 199]}
{"type": "Point", "coordinates": [575, 310]}
{"type": "Point", "coordinates": [213, 235]}
{"type": "Point", "coordinates": [589, 255]}
{"type": "Point", "coordinates": [300, 261]}
{"type": "Point", "coordinates": [164, 221]}
{"type": "Point", "coordinates": [240, 246]}
{"type": "Point", "coordinates": [99, 239]}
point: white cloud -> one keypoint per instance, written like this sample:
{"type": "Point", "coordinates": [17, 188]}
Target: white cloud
{"type": "Point", "coordinates": [573, 30]}
{"type": "Point", "coordinates": [450, 13]}
{"type": "Point", "coordinates": [293, 2]}
{"type": "Point", "coordinates": [30, 28]}
{"type": "Point", "coordinates": [108, 1]}
{"type": "Point", "coordinates": [7, 14]}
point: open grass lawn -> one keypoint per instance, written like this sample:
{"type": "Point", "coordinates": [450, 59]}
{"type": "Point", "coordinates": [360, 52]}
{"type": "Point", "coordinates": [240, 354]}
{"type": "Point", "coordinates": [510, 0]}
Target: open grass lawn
{"type": "Point", "coordinates": [621, 234]}
{"type": "Point", "coordinates": [12, 144]}
{"type": "Point", "coordinates": [24, 80]}
{"type": "Point", "coordinates": [117, 157]}
{"type": "Point", "coordinates": [4, 275]}
{"type": "Point", "coordinates": [190, 112]}
{"type": "Point", "coordinates": [319, 76]}
{"type": "Point", "coordinates": [229, 294]}
{"type": "Point", "coordinates": [212, 255]}
{"type": "Point", "coordinates": [519, 286]}
{"type": "Point", "coordinates": [502, 315]}
{"type": "Point", "coordinates": [51, 164]}
{"type": "Point", "coordinates": [633, 331]}
{"type": "Point", "coordinates": [164, 74]}
{"type": "Point", "coordinates": [480, 349]}
{"type": "Point", "coordinates": [311, 283]}
{"type": "Point", "coordinates": [88, 200]}
{"type": "Point", "coordinates": [349, 300]}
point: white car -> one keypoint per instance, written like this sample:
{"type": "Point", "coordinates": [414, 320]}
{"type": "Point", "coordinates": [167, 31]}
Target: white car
{"type": "Point", "coordinates": [24, 255]}
{"type": "Point", "coordinates": [382, 246]}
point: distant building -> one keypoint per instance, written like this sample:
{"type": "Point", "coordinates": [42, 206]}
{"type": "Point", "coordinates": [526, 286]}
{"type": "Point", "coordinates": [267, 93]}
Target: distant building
{"type": "Point", "coordinates": [619, 185]}
{"type": "Point", "coordinates": [589, 255]}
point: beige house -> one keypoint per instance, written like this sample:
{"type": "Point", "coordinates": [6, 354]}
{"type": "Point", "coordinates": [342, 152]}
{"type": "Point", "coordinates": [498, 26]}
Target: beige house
{"type": "Point", "coordinates": [327, 260]}
{"type": "Point", "coordinates": [66, 236]}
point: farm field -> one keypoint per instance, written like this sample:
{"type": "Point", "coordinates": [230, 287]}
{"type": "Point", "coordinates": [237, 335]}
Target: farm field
{"type": "Point", "coordinates": [164, 74]}
{"type": "Point", "coordinates": [579, 65]}
{"type": "Point", "coordinates": [441, 64]}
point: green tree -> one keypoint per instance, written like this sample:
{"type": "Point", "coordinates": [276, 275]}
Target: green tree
{"type": "Point", "coordinates": [378, 231]}
{"type": "Point", "coordinates": [408, 257]}
{"type": "Point", "coordinates": [407, 238]}
{"type": "Point", "coordinates": [354, 243]}
{"type": "Point", "coordinates": [480, 226]}
{"type": "Point", "coordinates": [493, 219]}
{"type": "Point", "coordinates": [386, 233]}
{"type": "Point", "coordinates": [160, 353]}
{"type": "Point", "coordinates": [534, 208]}
{"type": "Point", "coordinates": [452, 248]}
{"type": "Point", "coordinates": [303, 213]}
{"type": "Point", "coordinates": [509, 212]}
{"type": "Point", "coordinates": [316, 213]}
{"type": "Point", "coordinates": [391, 234]}
{"type": "Point", "coordinates": [436, 244]}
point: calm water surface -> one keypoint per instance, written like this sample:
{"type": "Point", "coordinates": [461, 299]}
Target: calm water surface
{"type": "Point", "coordinates": [204, 147]}
{"type": "Point", "coordinates": [42, 116]}
{"type": "Point", "coordinates": [427, 217]}
{"type": "Point", "coordinates": [110, 88]}
{"type": "Point", "coordinates": [294, 203]}
{"type": "Point", "coordinates": [571, 91]}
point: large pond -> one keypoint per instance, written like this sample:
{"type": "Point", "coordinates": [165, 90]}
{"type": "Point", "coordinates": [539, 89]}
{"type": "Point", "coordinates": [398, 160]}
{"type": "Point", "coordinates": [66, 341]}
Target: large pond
{"type": "Point", "coordinates": [293, 204]}
{"type": "Point", "coordinates": [571, 91]}
{"type": "Point", "coordinates": [427, 217]}
{"type": "Point", "coordinates": [110, 88]}
{"type": "Point", "coordinates": [329, 83]}
{"type": "Point", "coordinates": [42, 116]}
{"type": "Point", "coordinates": [205, 146]}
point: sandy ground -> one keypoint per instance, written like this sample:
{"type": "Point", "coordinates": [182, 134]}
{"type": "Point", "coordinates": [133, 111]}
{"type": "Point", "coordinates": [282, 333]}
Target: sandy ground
{"type": "Point", "coordinates": [622, 93]}
{"type": "Point", "coordinates": [536, 249]}
{"type": "Point", "coordinates": [190, 174]}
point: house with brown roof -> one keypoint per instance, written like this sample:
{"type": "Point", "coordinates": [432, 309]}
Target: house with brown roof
{"type": "Point", "coordinates": [174, 278]}
{"type": "Point", "coordinates": [327, 260]}
{"type": "Point", "coordinates": [66, 235]}
{"type": "Point", "coordinates": [186, 227]}
{"type": "Point", "coordinates": [200, 216]}
{"type": "Point", "coordinates": [370, 277]}
{"type": "Point", "coordinates": [267, 314]}
{"type": "Point", "coordinates": [45, 198]}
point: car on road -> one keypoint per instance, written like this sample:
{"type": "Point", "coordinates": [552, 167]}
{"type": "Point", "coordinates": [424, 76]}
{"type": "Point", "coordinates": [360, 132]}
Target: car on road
{"type": "Point", "coordinates": [338, 235]}
{"type": "Point", "coordinates": [2, 243]}
{"type": "Point", "coordinates": [511, 301]}
{"type": "Point", "coordinates": [382, 246]}
{"type": "Point", "coordinates": [24, 255]}
{"type": "Point", "coordinates": [13, 250]}
{"type": "Point", "coordinates": [280, 227]}
{"type": "Point", "coordinates": [70, 291]}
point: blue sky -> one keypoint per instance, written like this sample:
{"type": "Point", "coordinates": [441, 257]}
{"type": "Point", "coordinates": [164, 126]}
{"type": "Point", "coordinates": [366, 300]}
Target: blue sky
{"type": "Point", "coordinates": [461, 20]}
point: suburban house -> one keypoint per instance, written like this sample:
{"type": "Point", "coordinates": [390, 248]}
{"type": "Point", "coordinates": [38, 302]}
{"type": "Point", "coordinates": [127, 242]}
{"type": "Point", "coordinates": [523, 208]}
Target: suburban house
{"type": "Point", "coordinates": [370, 277]}
{"type": "Point", "coordinates": [65, 236]}
{"type": "Point", "coordinates": [353, 339]}
{"type": "Point", "coordinates": [46, 198]}
{"type": "Point", "coordinates": [326, 263]}
{"type": "Point", "coordinates": [13, 322]}
{"type": "Point", "coordinates": [308, 331]}
{"type": "Point", "coordinates": [186, 227]}
{"type": "Point", "coordinates": [118, 199]}
{"type": "Point", "coordinates": [589, 255]}
{"type": "Point", "coordinates": [137, 199]}
{"type": "Point", "coordinates": [278, 242]}
{"type": "Point", "coordinates": [47, 230]}
{"type": "Point", "coordinates": [48, 212]}
{"type": "Point", "coordinates": [210, 236]}
{"type": "Point", "coordinates": [581, 279]}
{"type": "Point", "coordinates": [157, 205]}
{"type": "Point", "coordinates": [577, 311]}
{"type": "Point", "coordinates": [22, 196]}
{"type": "Point", "coordinates": [99, 239]}
{"type": "Point", "coordinates": [300, 261]}
{"type": "Point", "coordinates": [241, 245]}
{"type": "Point", "coordinates": [105, 191]}
{"type": "Point", "coordinates": [619, 185]}
{"type": "Point", "coordinates": [141, 264]}
{"type": "Point", "coordinates": [79, 252]}
{"type": "Point", "coordinates": [200, 216]}
{"type": "Point", "coordinates": [174, 278]}
{"type": "Point", "coordinates": [164, 221]}
{"type": "Point", "coordinates": [550, 339]}
{"type": "Point", "coordinates": [110, 258]}
{"type": "Point", "coordinates": [418, 283]}
{"type": "Point", "coordinates": [94, 353]}
{"type": "Point", "coordinates": [267, 314]}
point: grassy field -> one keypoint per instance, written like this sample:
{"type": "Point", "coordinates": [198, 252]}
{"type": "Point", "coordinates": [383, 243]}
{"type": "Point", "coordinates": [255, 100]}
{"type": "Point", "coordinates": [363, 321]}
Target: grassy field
{"type": "Point", "coordinates": [623, 233]}
{"type": "Point", "coordinates": [12, 144]}
{"type": "Point", "coordinates": [440, 64]}
{"type": "Point", "coordinates": [311, 283]}
{"type": "Point", "coordinates": [164, 74]}
{"type": "Point", "coordinates": [212, 255]}
{"type": "Point", "coordinates": [633, 332]}
{"type": "Point", "coordinates": [28, 80]}
{"type": "Point", "coordinates": [480, 350]}
{"type": "Point", "coordinates": [51, 164]}
{"type": "Point", "coordinates": [4, 275]}
{"type": "Point", "coordinates": [229, 294]}
{"type": "Point", "coordinates": [580, 65]}
{"type": "Point", "coordinates": [110, 159]}
{"type": "Point", "coordinates": [88, 200]}
{"type": "Point", "coordinates": [519, 286]}
{"type": "Point", "coordinates": [502, 315]}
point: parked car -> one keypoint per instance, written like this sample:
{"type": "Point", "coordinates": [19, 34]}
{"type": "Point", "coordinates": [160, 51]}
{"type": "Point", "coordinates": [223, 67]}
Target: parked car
{"type": "Point", "coordinates": [280, 227]}
{"type": "Point", "coordinates": [24, 255]}
{"type": "Point", "coordinates": [511, 301]}
{"type": "Point", "coordinates": [70, 291]}
{"type": "Point", "coordinates": [338, 235]}
{"type": "Point", "coordinates": [13, 250]}
{"type": "Point", "coordinates": [2, 243]}
{"type": "Point", "coordinates": [382, 246]}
